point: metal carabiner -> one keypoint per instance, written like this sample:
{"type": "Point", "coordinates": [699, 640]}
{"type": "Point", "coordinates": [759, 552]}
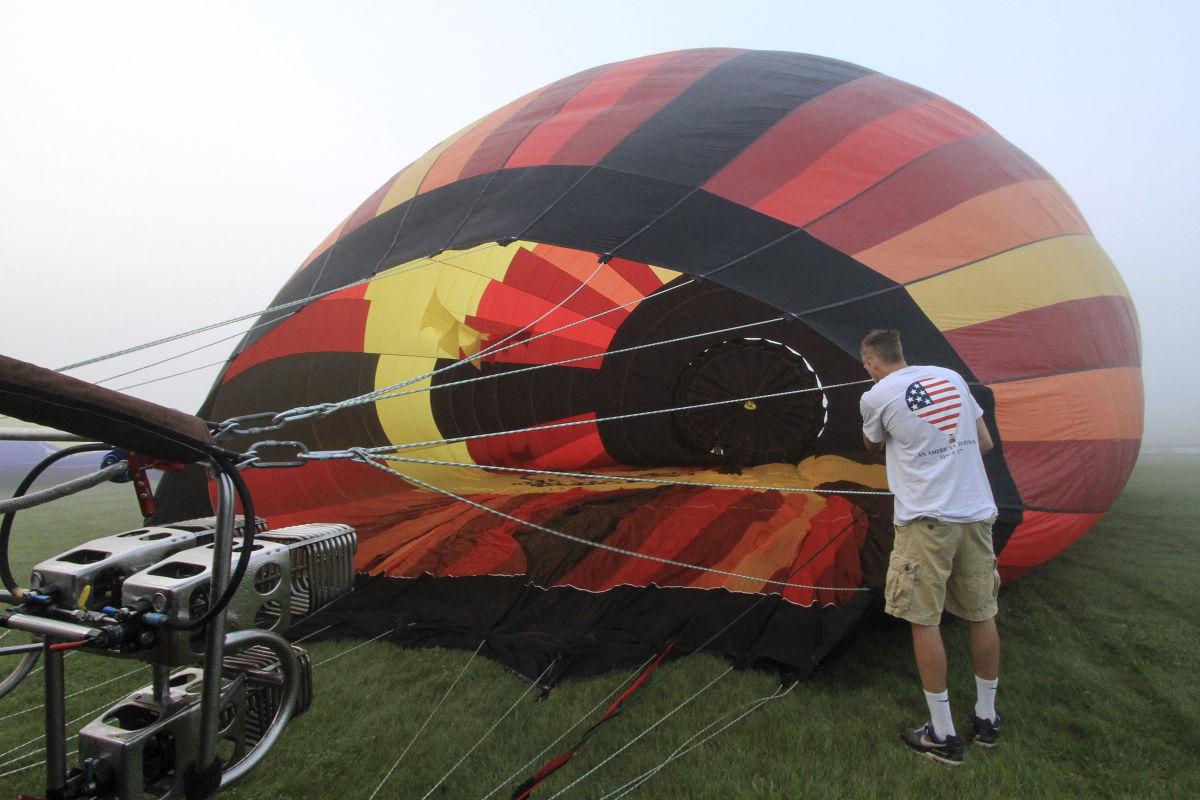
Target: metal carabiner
{"type": "Point", "coordinates": [233, 425]}
{"type": "Point", "coordinates": [252, 458]}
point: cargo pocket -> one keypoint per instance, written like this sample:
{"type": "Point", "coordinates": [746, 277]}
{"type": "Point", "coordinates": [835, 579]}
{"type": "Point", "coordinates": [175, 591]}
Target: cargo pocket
{"type": "Point", "coordinates": [973, 597]}
{"type": "Point", "coordinates": [898, 589]}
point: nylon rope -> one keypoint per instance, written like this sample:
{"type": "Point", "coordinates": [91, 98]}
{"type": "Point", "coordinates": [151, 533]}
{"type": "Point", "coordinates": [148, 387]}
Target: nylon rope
{"type": "Point", "coordinates": [38, 668]}
{"type": "Point", "coordinates": [376, 395]}
{"type": "Point", "coordinates": [657, 219]}
{"type": "Point", "coordinates": [178, 356]}
{"type": "Point", "coordinates": [741, 615]}
{"type": "Point", "coordinates": [40, 737]}
{"type": "Point", "coordinates": [384, 393]}
{"type": "Point", "coordinates": [68, 697]}
{"type": "Point", "coordinates": [428, 719]}
{"type": "Point", "coordinates": [488, 732]}
{"type": "Point", "coordinates": [690, 743]}
{"type": "Point", "coordinates": [489, 350]}
{"type": "Point", "coordinates": [270, 310]}
{"type": "Point", "coordinates": [337, 454]}
{"type": "Point", "coordinates": [600, 476]}
{"type": "Point", "coordinates": [687, 745]}
{"type": "Point", "coordinates": [587, 715]}
{"type": "Point", "coordinates": [635, 739]}
{"type": "Point", "coordinates": [160, 378]}
{"type": "Point", "coordinates": [29, 766]}
{"type": "Point", "coordinates": [352, 649]}
{"type": "Point", "coordinates": [619, 351]}
{"type": "Point", "coordinates": [314, 633]}
{"type": "Point", "coordinates": [600, 545]}
{"type": "Point", "coordinates": [381, 394]}
{"type": "Point", "coordinates": [386, 274]}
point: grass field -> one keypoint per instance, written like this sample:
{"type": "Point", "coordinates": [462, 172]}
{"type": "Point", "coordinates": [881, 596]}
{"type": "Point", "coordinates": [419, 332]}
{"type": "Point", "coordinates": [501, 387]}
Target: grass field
{"type": "Point", "coordinates": [1098, 693]}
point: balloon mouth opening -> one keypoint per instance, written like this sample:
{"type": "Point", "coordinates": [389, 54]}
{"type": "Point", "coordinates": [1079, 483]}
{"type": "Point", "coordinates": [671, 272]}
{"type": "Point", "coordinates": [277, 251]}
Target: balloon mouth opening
{"type": "Point", "coordinates": [783, 416]}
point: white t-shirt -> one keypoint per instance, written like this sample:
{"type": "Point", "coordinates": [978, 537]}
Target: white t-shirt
{"type": "Point", "coordinates": [934, 466]}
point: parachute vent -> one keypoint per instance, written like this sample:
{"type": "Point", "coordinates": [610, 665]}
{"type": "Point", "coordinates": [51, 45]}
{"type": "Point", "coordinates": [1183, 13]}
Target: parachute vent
{"type": "Point", "coordinates": [764, 431]}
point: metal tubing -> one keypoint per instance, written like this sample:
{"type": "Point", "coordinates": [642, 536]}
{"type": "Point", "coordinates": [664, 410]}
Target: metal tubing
{"type": "Point", "coordinates": [214, 635]}
{"type": "Point", "coordinates": [287, 706]}
{"type": "Point", "coordinates": [56, 722]}
{"type": "Point", "coordinates": [162, 684]}
{"type": "Point", "coordinates": [39, 435]}
{"type": "Point", "coordinates": [20, 673]}
{"type": "Point", "coordinates": [44, 626]}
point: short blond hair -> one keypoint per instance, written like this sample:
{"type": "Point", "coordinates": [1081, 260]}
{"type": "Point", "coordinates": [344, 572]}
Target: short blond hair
{"type": "Point", "coordinates": [885, 344]}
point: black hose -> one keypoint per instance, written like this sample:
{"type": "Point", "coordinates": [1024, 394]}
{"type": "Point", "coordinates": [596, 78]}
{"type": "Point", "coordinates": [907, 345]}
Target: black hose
{"type": "Point", "coordinates": [223, 463]}
{"type": "Point", "coordinates": [6, 576]}
{"type": "Point", "coordinates": [227, 466]}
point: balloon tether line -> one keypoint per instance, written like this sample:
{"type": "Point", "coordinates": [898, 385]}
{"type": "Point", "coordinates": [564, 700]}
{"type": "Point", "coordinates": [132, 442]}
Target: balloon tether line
{"type": "Point", "coordinates": [741, 615]}
{"type": "Point", "coordinates": [319, 455]}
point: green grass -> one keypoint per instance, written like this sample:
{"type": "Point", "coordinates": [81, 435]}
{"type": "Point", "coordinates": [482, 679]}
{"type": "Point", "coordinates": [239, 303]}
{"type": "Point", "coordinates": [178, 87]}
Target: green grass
{"type": "Point", "coordinates": [1098, 692]}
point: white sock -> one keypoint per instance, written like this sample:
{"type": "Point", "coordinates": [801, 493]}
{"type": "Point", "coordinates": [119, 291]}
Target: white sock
{"type": "Point", "coordinates": [939, 713]}
{"type": "Point", "coordinates": [985, 698]}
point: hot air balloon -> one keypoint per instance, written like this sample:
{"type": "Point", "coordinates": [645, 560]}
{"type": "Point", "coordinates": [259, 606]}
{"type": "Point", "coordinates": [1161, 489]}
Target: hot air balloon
{"type": "Point", "coordinates": [622, 317]}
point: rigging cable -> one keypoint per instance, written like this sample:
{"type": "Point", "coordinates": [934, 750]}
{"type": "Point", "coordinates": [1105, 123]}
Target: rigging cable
{"type": "Point", "coordinates": [392, 448]}
{"type": "Point", "coordinates": [40, 738]}
{"type": "Point", "coordinates": [338, 655]}
{"type": "Point", "coordinates": [270, 310]}
{"type": "Point", "coordinates": [488, 732]}
{"type": "Point", "coordinates": [84, 690]}
{"type": "Point", "coordinates": [587, 715]}
{"type": "Point", "coordinates": [178, 356]}
{"type": "Point", "coordinates": [634, 740]}
{"type": "Point", "coordinates": [366, 459]}
{"type": "Point", "coordinates": [619, 351]}
{"type": "Point", "coordinates": [609, 477]}
{"type": "Point", "coordinates": [691, 742]}
{"type": "Point", "coordinates": [428, 719]}
{"type": "Point", "coordinates": [325, 409]}
{"type": "Point", "coordinates": [530, 785]}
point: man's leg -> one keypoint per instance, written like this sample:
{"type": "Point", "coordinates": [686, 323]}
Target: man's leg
{"type": "Point", "coordinates": [931, 656]}
{"type": "Point", "coordinates": [931, 664]}
{"type": "Point", "coordinates": [985, 648]}
{"type": "Point", "coordinates": [985, 652]}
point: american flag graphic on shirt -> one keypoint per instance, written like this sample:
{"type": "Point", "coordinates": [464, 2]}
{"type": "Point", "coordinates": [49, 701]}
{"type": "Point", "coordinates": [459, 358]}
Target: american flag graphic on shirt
{"type": "Point", "coordinates": [936, 401]}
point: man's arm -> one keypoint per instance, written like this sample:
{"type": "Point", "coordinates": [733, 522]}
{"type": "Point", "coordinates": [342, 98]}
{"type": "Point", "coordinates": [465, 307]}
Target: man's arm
{"type": "Point", "coordinates": [985, 439]}
{"type": "Point", "coordinates": [873, 430]}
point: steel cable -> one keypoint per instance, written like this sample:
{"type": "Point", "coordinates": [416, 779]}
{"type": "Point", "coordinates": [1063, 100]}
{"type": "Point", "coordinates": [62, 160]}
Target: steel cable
{"type": "Point", "coordinates": [428, 719]}
{"type": "Point", "coordinates": [489, 731]}
{"type": "Point", "coordinates": [601, 545]}
{"type": "Point", "coordinates": [320, 455]}
{"type": "Point", "coordinates": [606, 477]}
{"type": "Point", "coordinates": [270, 310]}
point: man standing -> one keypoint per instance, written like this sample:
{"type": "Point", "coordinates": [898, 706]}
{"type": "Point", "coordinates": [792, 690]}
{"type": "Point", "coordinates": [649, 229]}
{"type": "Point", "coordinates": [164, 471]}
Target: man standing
{"type": "Point", "coordinates": [934, 438]}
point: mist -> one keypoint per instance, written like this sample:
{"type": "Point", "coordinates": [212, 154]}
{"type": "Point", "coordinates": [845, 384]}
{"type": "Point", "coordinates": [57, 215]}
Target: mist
{"type": "Point", "coordinates": [168, 166]}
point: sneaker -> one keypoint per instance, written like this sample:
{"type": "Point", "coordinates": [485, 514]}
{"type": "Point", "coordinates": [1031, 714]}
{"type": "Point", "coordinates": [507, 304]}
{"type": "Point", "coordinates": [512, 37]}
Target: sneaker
{"type": "Point", "coordinates": [985, 732]}
{"type": "Point", "coordinates": [948, 751]}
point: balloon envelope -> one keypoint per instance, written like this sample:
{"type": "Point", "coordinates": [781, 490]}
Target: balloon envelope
{"type": "Point", "coordinates": [657, 234]}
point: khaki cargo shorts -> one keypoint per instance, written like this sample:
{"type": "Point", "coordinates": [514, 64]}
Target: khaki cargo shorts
{"type": "Point", "coordinates": [936, 565]}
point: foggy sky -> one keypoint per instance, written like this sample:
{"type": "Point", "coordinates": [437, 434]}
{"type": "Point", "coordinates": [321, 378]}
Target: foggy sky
{"type": "Point", "coordinates": [167, 166]}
